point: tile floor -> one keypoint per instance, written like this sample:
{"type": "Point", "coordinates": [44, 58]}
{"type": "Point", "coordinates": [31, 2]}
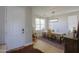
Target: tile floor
{"type": "Point", "coordinates": [47, 48]}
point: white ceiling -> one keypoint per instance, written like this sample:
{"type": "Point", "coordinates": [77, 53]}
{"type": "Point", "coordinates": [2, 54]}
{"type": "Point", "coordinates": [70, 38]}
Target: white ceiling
{"type": "Point", "coordinates": [46, 11]}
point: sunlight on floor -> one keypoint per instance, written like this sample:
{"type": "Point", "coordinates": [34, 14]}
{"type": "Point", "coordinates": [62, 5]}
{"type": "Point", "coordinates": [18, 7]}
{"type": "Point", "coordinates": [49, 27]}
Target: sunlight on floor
{"type": "Point", "coordinates": [47, 48]}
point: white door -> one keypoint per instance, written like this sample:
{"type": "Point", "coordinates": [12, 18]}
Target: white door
{"type": "Point", "coordinates": [15, 26]}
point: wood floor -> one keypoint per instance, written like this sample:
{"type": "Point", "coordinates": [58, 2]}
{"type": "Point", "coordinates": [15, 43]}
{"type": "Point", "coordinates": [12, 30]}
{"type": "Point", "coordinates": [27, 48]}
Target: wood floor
{"type": "Point", "coordinates": [39, 46]}
{"type": "Point", "coordinates": [28, 49]}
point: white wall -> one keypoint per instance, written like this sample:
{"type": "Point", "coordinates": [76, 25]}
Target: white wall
{"type": "Point", "coordinates": [2, 17]}
{"type": "Point", "coordinates": [28, 25]}
{"type": "Point", "coordinates": [18, 18]}
{"type": "Point", "coordinates": [62, 25]}
{"type": "Point", "coordinates": [66, 21]}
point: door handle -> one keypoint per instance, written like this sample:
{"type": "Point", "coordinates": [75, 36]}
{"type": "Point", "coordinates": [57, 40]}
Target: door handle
{"type": "Point", "coordinates": [23, 30]}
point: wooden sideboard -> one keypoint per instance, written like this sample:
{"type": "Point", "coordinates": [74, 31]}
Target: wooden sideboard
{"type": "Point", "coordinates": [71, 45]}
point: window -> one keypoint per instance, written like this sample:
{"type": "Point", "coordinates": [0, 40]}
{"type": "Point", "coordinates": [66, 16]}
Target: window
{"type": "Point", "coordinates": [72, 22]}
{"type": "Point", "coordinates": [51, 22]}
{"type": "Point", "coordinates": [40, 24]}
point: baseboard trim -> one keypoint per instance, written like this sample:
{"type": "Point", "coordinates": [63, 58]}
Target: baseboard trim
{"type": "Point", "coordinates": [18, 48]}
{"type": "Point", "coordinates": [28, 44]}
{"type": "Point", "coordinates": [2, 44]}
